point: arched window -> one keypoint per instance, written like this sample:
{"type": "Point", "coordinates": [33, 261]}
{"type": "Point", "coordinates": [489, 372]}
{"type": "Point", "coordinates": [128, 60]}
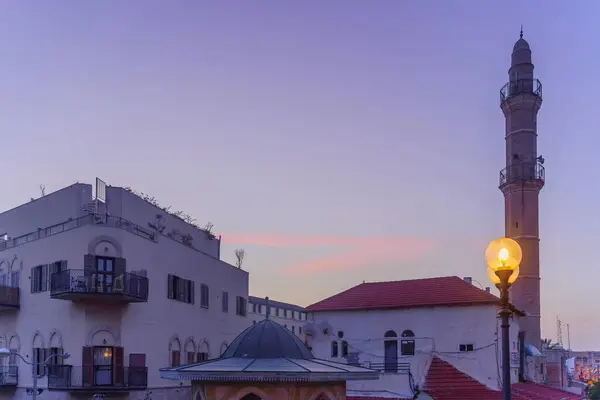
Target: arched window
{"type": "Point", "coordinates": [251, 396]}
{"type": "Point", "coordinates": [334, 349]}
{"type": "Point", "coordinates": [407, 346]}
{"type": "Point", "coordinates": [344, 348]}
{"type": "Point", "coordinates": [390, 348]}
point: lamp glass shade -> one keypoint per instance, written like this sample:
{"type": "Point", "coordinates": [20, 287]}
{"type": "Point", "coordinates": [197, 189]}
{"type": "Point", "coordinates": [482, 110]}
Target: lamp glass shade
{"type": "Point", "coordinates": [503, 254]}
{"type": "Point", "coordinates": [4, 352]}
{"type": "Point", "coordinates": [496, 280]}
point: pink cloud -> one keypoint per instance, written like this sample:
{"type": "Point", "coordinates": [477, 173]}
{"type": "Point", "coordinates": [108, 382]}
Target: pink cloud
{"type": "Point", "coordinates": [355, 252]}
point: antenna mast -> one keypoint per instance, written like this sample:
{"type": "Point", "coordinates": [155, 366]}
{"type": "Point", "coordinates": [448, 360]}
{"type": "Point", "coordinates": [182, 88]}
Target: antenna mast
{"type": "Point", "coordinates": [559, 337]}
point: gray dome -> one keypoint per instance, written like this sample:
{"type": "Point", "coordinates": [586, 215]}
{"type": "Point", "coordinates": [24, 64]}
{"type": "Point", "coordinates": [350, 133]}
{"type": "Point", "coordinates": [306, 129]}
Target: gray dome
{"type": "Point", "coordinates": [521, 45]}
{"type": "Point", "coordinates": [267, 339]}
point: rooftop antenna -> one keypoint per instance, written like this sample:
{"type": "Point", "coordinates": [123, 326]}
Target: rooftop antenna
{"type": "Point", "coordinates": [521, 31]}
{"type": "Point", "coordinates": [268, 309]}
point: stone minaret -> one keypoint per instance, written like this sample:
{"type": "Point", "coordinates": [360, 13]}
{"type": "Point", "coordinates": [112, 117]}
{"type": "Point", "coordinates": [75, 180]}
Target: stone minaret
{"type": "Point", "coordinates": [521, 182]}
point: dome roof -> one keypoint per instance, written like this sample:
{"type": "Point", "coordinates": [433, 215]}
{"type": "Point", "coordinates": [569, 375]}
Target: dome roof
{"type": "Point", "coordinates": [521, 45]}
{"type": "Point", "coordinates": [267, 339]}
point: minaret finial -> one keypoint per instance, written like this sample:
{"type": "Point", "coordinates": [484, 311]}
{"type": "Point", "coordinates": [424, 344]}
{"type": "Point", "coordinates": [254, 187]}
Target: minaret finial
{"type": "Point", "coordinates": [268, 310]}
{"type": "Point", "coordinates": [521, 31]}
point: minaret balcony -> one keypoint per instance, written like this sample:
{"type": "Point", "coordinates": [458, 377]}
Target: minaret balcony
{"type": "Point", "coordinates": [526, 171]}
{"type": "Point", "coordinates": [519, 87]}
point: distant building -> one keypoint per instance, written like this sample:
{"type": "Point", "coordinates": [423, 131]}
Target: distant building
{"type": "Point", "coordinates": [289, 316]}
{"type": "Point", "coordinates": [121, 284]}
{"type": "Point", "coordinates": [438, 335]}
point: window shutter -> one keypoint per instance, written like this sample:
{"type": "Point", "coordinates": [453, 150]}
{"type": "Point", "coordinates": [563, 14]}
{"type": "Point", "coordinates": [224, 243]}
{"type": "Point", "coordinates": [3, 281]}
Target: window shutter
{"type": "Point", "coordinates": [137, 370]}
{"type": "Point", "coordinates": [192, 292]}
{"type": "Point", "coordinates": [87, 365]}
{"type": "Point", "coordinates": [118, 368]}
{"type": "Point", "coordinates": [120, 266]}
{"type": "Point", "coordinates": [32, 279]}
{"type": "Point", "coordinates": [89, 262]}
{"type": "Point", "coordinates": [170, 287]}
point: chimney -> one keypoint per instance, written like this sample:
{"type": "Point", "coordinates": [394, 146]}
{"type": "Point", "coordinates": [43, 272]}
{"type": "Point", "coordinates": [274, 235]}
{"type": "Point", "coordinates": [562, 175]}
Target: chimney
{"type": "Point", "coordinates": [487, 289]}
{"type": "Point", "coordinates": [468, 279]}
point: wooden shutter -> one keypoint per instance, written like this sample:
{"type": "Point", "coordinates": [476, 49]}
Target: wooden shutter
{"type": "Point", "coordinates": [137, 370]}
{"type": "Point", "coordinates": [89, 268]}
{"type": "Point", "coordinates": [33, 279]}
{"type": "Point", "coordinates": [192, 292]}
{"type": "Point", "coordinates": [118, 368]}
{"type": "Point", "coordinates": [120, 266]}
{"type": "Point", "coordinates": [170, 293]}
{"type": "Point", "coordinates": [87, 366]}
{"type": "Point", "coordinates": [44, 277]}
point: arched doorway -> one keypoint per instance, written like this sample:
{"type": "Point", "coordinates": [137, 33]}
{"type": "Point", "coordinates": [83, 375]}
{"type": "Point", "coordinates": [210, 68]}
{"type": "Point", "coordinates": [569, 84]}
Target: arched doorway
{"type": "Point", "coordinates": [390, 346]}
{"type": "Point", "coordinates": [251, 396]}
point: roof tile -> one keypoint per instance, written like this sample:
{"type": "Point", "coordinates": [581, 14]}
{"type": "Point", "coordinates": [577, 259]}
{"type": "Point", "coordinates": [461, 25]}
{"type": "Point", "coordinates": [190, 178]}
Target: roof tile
{"type": "Point", "coordinates": [443, 291]}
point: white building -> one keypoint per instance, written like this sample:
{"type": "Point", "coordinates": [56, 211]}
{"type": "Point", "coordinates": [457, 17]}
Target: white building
{"type": "Point", "coordinates": [288, 315]}
{"type": "Point", "coordinates": [122, 285]}
{"type": "Point", "coordinates": [417, 332]}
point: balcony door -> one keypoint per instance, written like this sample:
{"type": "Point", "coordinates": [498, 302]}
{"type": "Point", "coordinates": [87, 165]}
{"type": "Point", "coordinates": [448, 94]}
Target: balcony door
{"type": "Point", "coordinates": [103, 366]}
{"type": "Point", "coordinates": [105, 273]}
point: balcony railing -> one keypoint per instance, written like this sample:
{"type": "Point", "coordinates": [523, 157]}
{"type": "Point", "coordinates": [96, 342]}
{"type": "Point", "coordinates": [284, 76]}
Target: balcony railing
{"type": "Point", "coordinates": [523, 172]}
{"type": "Point", "coordinates": [9, 376]}
{"type": "Point", "coordinates": [78, 284]}
{"type": "Point", "coordinates": [9, 298]}
{"type": "Point", "coordinates": [394, 367]}
{"type": "Point", "coordinates": [97, 377]}
{"type": "Point", "coordinates": [521, 86]}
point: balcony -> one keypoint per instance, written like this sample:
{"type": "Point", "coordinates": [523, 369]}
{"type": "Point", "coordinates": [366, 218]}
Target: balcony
{"type": "Point", "coordinates": [532, 171]}
{"type": "Point", "coordinates": [79, 284]}
{"type": "Point", "coordinates": [519, 87]}
{"type": "Point", "coordinates": [99, 378]}
{"type": "Point", "coordinates": [9, 298]}
{"type": "Point", "coordinates": [9, 376]}
{"type": "Point", "coordinates": [390, 367]}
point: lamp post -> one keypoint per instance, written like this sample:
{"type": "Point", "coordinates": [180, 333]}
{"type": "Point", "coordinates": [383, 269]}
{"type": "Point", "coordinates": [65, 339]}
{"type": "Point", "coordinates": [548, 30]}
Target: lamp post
{"type": "Point", "coordinates": [4, 352]}
{"type": "Point", "coordinates": [503, 257]}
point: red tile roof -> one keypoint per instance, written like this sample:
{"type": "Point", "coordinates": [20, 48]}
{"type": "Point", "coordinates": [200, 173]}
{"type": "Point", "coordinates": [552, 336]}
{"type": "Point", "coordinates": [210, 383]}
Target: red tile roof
{"type": "Point", "coordinates": [444, 291]}
{"type": "Point", "coordinates": [376, 398]}
{"type": "Point", "coordinates": [444, 382]}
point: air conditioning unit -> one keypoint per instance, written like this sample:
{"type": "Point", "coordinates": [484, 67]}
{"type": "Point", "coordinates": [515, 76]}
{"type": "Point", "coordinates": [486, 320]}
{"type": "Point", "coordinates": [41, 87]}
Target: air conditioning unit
{"type": "Point", "coordinates": [99, 219]}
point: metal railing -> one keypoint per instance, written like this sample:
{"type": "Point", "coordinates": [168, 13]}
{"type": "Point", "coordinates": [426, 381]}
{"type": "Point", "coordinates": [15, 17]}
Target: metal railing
{"type": "Point", "coordinates": [522, 172]}
{"type": "Point", "coordinates": [80, 281]}
{"type": "Point", "coordinates": [9, 296]}
{"type": "Point", "coordinates": [97, 377]}
{"type": "Point", "coordinates": [9, 375]}
{"type": "Point", "coordinates": [390, 367]}
{"type": "Point", "coordinates": [521, 86]}
{"type": "Point", "coordinates": [114, 222]}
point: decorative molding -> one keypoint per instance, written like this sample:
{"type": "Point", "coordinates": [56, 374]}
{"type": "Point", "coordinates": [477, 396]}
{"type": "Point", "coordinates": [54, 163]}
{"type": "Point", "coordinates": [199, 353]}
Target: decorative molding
{"type": "Point", "coordinates": [103, 328]}
{"type": "Point", "coordinates": [17, 339]}
{"type": "Point", "coordinates": [189, 340]}
{"type": "Point", "coordinates": [203, 344]}
{"type": "Point", "coordinates": [172, 341]}
{"type": "Point", "coordinates": [36, 334]}
{"type": "Point", "coordinates": [55, 334]}
{"type": "Point", "coordinates": [105, 238]}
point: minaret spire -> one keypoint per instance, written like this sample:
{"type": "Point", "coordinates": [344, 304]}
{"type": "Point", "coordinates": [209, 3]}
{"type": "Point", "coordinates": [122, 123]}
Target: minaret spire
{"type": "Point", "coordinates": [521, 36]}
{"type": "Point", "coordinates": [268, 308]}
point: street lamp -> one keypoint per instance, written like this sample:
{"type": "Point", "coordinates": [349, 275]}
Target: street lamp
{"type": "Point", "coordinates": [4, 352]}
{"type": "Point", "coordinates": [503, 257]}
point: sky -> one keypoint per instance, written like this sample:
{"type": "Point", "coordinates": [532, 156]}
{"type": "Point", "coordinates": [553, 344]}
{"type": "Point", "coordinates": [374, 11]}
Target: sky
{"type": "Point", "coordinates": [336, 142]}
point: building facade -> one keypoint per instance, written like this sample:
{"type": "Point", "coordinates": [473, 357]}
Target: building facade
{"type": "Point", "coordinates": [288, 315]}
{"type": "Point", "coordinates": [122, 285]}
{"type": "Point", "coordinates": [521, 181]}
{"type": "Point", "coordinates": [401, 327]}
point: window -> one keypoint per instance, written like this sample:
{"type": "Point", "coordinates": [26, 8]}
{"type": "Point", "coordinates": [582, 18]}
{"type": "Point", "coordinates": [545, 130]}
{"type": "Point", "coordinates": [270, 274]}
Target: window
{"type": "Point", "coordinates": [175, 358]}
{"type": "Point", "coordinates": [344, 348]}
{"type": "Point", "coordinates": [465, 347]}
{"type": "Point", "coordinates": [334, 349]}
{"type": "Point", "coordinates": [204, 296]}
{"type": "Point", "coordinates": [253, 308]}
{"type": "Point", "coordinates": [15, 278]}
{"type": "Point", "coordinates": [181, 289]}
{"type": "Point", "coordinates": [407, 346]}
{"type": "Point", "coordinates": [293, 329]}
{"type": "Point", "coordinates": [285, 313]}
{"type": "Point", "coordinates": [12, 362]}
{"type": "Point", "coordinates": [225, 300]}
{"type": "Point", "coordinates": [3, 280]}
{"type": "Point", "coordinates": [39, 278]}
{"type": "Point", "coordinates": [300, 330]}
{"type": "Point", "coordinates": [240, 306]}
{"type": "Point", "coordinates": [190, 357]}
{"type": "Point", "coordinates": [276, 312]}
{"type": "Point", "coordinates": [260, 308]}
{"type": "Point", "coordinates": [202, 356]}
{"type": "Point", "coordinates": [40, 356]}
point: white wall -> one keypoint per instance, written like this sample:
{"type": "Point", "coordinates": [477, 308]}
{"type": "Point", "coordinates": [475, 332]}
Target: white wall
{"type": "Point", "coordinates": [294, 321]}
{"type": "Point", "coordinates": [438, 331]}
{"type": "Point", "coordinates": [141, 327]}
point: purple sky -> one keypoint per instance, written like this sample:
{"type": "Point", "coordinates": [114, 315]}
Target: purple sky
{"type": "Point", "coordinates": [336, 141]}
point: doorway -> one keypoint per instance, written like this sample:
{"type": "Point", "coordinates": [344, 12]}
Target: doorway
{"type": "Point", "coordinates": [105, 272]}
{"type": "Point", "coordinates": [103, 366]}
